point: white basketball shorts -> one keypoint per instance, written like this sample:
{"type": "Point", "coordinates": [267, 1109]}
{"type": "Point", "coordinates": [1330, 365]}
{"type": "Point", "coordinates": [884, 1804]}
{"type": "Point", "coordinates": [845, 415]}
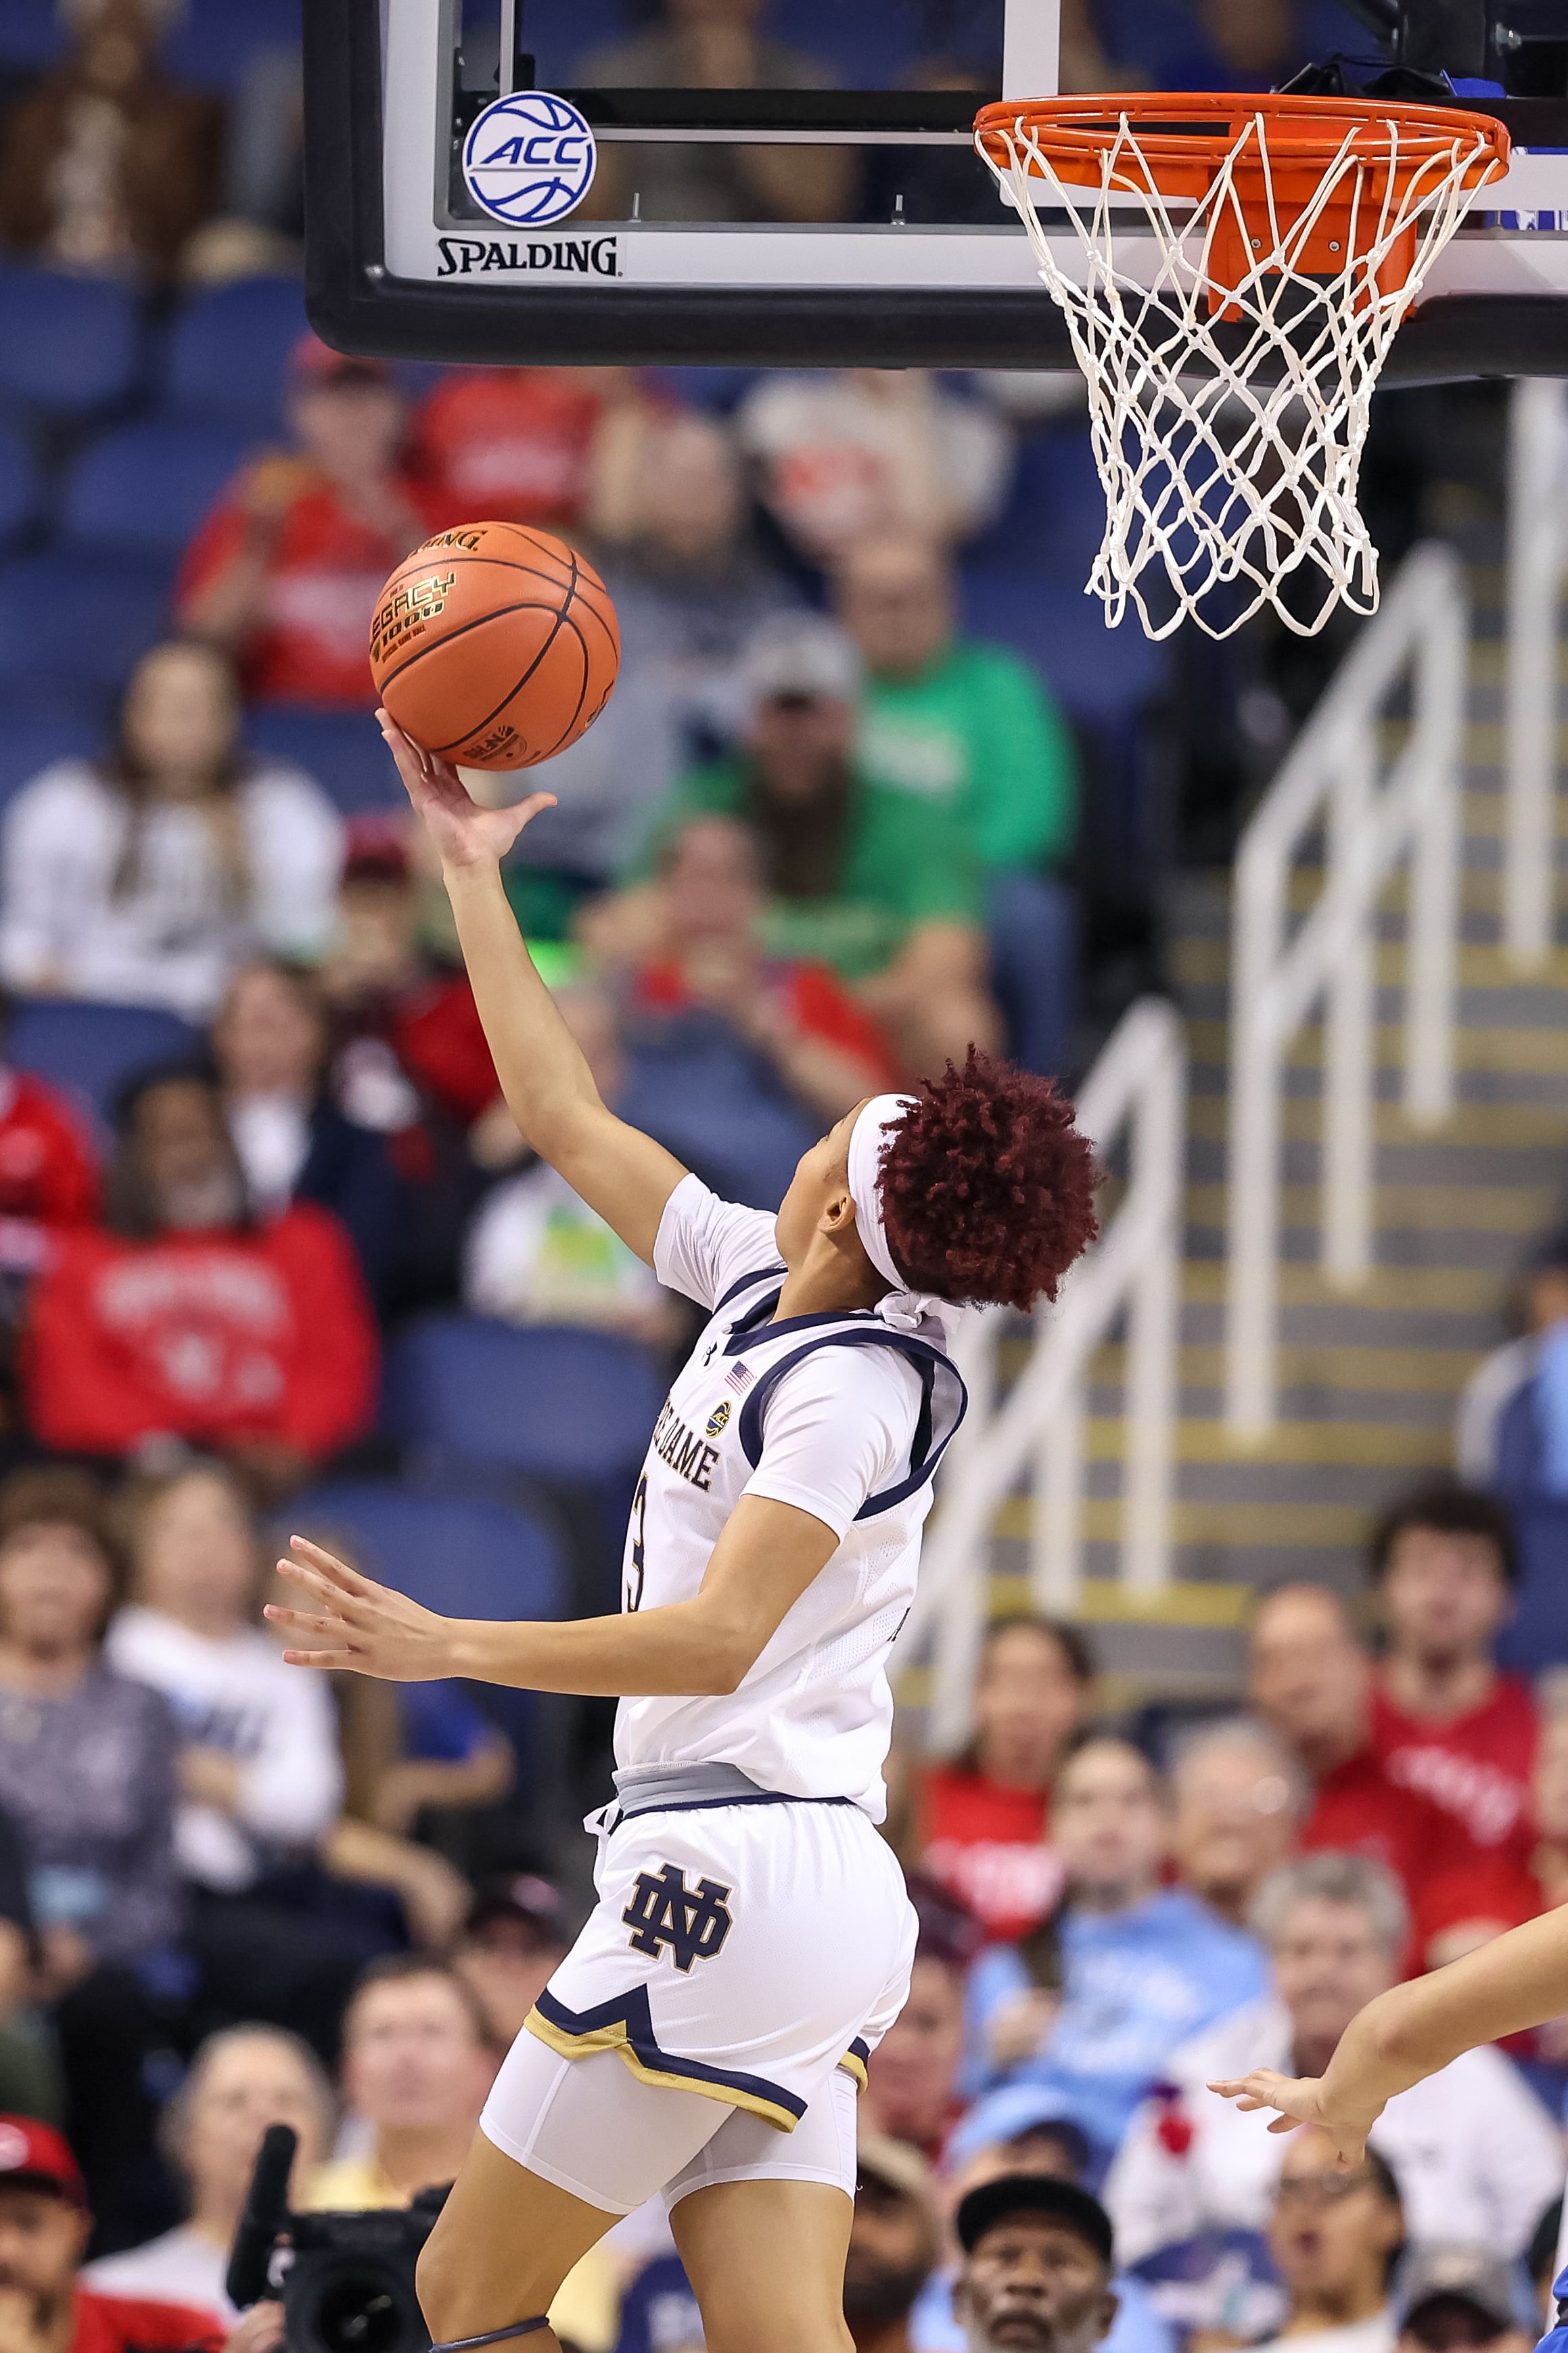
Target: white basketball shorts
{"type": "Point", "coordinates": [742, 1953]}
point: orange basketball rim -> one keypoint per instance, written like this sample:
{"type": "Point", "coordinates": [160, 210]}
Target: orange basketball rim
{"type": "Point", "coordinates": [1314, 182]}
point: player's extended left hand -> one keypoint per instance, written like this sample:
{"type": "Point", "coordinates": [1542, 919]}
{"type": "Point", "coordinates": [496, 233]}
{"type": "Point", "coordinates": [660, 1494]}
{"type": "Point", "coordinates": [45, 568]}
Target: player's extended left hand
{"type": "Point", "coordinates": [358, 1624]}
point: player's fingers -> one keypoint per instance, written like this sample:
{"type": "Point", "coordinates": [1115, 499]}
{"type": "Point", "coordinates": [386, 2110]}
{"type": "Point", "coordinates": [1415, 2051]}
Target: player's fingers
{"type": "Point", "coordinates": [336, 1662]}
{"type": "Point", "coordinates": [526, 811]}
{"type": "Point", "coordinates": [351, 1580]}
{"type": "Point", "coordinates": [1282, 2123]}
{"type": "Point", "coordinates": [304, 1622]}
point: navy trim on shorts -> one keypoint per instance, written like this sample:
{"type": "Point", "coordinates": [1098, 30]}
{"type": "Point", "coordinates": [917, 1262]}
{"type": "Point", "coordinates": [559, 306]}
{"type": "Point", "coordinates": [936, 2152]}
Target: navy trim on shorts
{"type": "Point", "coordinates": [630, 2012]}
{"type": "Point", "coordinates": [709, 1805]}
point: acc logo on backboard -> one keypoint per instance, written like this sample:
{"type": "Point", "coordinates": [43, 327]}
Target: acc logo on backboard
{"type": "Point", "coordinates": [529, 159]}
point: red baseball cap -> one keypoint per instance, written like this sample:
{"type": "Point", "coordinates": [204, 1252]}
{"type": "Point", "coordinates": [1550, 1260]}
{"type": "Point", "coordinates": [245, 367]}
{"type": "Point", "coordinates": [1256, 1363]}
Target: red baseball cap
{"type": "Point", "coordinates": [375, 850]}
{"type": "Point", "coordinates": [314, 362]}
{"type": "Point", "coordinates": [34, 2155]}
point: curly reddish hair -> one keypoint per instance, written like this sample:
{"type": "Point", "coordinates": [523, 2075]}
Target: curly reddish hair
{"type": "Point", "coordinates": [988, 1188]}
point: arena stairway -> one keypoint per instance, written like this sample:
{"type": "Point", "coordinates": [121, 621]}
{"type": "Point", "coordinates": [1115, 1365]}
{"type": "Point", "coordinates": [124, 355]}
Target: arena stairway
{"type": "Point", "coordinates": [1369, 1379]}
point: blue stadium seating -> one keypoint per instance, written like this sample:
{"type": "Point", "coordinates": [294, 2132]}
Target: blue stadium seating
{"type": "Point", "coordinates": [215, 40]}
{"type": "Point", "coordinates": [68, 346]}
{"type": "Point", "coordinates": [1055, 516]}
{"type": "Point", "coordinates": [78, 618]}
{"type": "Point", "coordinates": [19, 486]}
{"type": "Point", "coordinates": [29, 32]}
{"type": "Point", "coordinates": [1098, 675]}
{"type": "Point", "coordinates": [228, 354]}
{"type": "Point", "coordinates": [467, 1557]}
{"type": "Point", "coordinates": [92, 1050]}
{"type": "Point", "coordinates": [342, 749]}
{"type": "Point", "coordinates": [31, 743]}
{"type": "Point", "coordinates": [144, 488]}
{"type": "Point", "coordinates": [570, 1406]}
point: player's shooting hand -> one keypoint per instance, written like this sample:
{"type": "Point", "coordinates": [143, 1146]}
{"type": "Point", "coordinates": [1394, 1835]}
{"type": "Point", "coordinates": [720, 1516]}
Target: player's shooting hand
{"type": "Point", "coordinates": [1299, 2100]}
{"type": "Point", "coordinates": [358, 1625]}
{"type": "Point", "coordinates": [463, 834]}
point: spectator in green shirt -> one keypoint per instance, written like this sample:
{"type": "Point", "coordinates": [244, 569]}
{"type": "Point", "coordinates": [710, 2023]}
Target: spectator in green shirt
{"type": "Point", "coordinates": [880, 887]}
{"type": "Point", "coordinates": [970, 728]}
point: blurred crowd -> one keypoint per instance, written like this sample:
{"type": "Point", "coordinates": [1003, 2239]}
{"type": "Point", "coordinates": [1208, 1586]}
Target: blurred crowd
{"type": "Point", "coordinates": [231, 1895]}
{"type": "Point", "coordinates": [273, 1255]}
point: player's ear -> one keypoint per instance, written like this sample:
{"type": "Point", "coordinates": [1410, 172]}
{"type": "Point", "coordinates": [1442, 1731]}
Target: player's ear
{"type": "Point", "coordinates": [838, 1215]}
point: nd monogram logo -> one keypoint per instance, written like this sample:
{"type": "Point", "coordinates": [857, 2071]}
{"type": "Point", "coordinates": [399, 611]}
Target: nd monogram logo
{"type": "Point", "coordinates": [664, 1911]}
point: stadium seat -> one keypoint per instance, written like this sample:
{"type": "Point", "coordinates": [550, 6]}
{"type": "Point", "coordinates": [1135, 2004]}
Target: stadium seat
{"type": "Point", "coordinates": [468, 1557]}
{"type": "Point", "coordinates": [1098, 675]}
{"type": "Point", "coordinates": [560, 1404]}
{"type": "Point", "coordinates": [68, 346]}
{"type": "Point", "coordinates": [92, 1050]}
{"type": "Point", "coordinates": [143, 490]}
{"type": "Point", "coordinates": [342, 749]}
{"type": "Point", "coordinates": [19, 486]}
{"type": "Point", "coordinates": [29, 743]}
{"type": "Point", "coordinates": [1055, 516]}
{"type": "Point", "coordinates": [31, 33]}
{"type": "Point", "coordinates": [212, 41]}
{"type": "Point", "coordinates": [228, 354]}
{"type": "Point", "coordinates": [81, 618]}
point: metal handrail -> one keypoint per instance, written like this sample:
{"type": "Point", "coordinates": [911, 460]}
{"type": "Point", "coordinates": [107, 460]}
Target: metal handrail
{"type": "Point", "coordinates": [1374, 814]}
{"type": "Point", "coordinates": [1537, 571]}
{"type": "Point", "coordinates": [1137, 1086]}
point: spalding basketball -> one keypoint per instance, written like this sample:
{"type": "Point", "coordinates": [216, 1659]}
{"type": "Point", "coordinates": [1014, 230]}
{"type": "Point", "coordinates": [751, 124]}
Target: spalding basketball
{"type": "Point", "coordinates": [494, 645]}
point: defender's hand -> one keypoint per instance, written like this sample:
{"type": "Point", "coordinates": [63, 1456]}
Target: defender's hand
{"type": "Point", "coordinates": [1299, 2100]}
{"type": "Point", "coordinates": [358, 1624]}
{"type": "Point", "coordinates": [463, 833]}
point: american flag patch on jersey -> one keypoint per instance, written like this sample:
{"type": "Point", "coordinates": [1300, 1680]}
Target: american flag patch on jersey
{"type": "Point", "coordinates": [739, 1379]}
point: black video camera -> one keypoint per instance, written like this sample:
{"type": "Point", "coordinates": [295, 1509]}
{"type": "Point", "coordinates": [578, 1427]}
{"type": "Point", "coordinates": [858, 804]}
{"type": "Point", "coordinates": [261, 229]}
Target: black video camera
{"type": "Point", "coordinates": [346, 2279]}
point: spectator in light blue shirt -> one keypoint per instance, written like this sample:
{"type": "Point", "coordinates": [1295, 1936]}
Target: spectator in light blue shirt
{"type": "Point", "coordinates": [1143, 1965]}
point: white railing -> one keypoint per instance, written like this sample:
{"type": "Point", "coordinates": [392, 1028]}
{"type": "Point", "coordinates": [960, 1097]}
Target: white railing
{"type": "Point", "coordinates": [1138, 1085]}
{"type": "Point", "coordinates": [1537, 570]}
{"type": "Point", "coordinates": [1373, 814]}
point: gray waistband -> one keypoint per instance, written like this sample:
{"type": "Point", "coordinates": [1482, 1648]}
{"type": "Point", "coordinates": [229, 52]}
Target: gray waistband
{"type": "Point", "coordinates": [646, 1788]}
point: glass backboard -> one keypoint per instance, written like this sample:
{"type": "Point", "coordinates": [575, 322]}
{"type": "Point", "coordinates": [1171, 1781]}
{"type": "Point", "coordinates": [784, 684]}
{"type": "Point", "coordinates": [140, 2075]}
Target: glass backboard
{"type": "Point", "coordinates": [792, 182]}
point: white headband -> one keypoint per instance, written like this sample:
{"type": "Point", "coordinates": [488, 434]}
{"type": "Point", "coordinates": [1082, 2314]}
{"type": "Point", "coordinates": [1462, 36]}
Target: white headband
{"type": "Point", "coordinates": [901, 1308]}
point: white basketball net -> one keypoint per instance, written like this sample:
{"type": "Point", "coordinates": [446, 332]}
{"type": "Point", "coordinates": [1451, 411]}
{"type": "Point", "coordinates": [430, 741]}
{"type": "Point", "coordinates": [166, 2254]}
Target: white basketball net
{"type": "Point", "coordinates": [1230, 452]}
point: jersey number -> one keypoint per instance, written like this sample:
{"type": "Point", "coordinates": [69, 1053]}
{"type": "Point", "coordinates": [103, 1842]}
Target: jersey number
{"type": "Point", "coordinates": [639, 1529]}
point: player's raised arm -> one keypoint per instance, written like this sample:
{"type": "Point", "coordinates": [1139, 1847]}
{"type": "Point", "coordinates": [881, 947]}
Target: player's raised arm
{"type": "Point", "coordinates": [618, 1170]}
{"type": "Point", "coordinates": [1519, 1981]}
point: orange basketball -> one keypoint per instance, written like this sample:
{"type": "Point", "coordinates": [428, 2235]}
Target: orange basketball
{"type": "Point", "coordinates": [494, 645]}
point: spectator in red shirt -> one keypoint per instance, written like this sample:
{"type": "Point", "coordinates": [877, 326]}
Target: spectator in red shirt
{"type": "Point", "coordinates": [1444, 1723]}
{"type": "Point", "coordinates": [984, 1817]}
{"type": "Point", "coordinates": [1311, 1681]}
{"type": "Point", "coordinates": [43, 2229]}
{"type": "Point", "coordinates": [522, 444]}
{"type": "Point", "coordinates": [49, 1180]}
{"type": "Point", "coordinates": [286, 570]}
{"type": "Point", "coordinates": [181, 1316]}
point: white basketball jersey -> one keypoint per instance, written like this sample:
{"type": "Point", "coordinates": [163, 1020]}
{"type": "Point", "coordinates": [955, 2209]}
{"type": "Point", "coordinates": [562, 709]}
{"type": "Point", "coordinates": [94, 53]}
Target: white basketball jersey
{"type": "Point", "coordinates": [814, 1717]}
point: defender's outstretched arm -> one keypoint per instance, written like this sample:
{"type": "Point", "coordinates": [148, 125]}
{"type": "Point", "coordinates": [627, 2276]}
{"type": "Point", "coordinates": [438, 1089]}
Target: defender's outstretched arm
{"type": "Point", "coordinates": [1519, 1981]}
{"type": "Point", "coordinates": [549, 1089]}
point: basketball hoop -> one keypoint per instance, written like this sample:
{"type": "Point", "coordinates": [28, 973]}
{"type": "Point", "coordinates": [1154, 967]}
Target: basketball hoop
{"type": "Point", "coordinates": [1245, 264]}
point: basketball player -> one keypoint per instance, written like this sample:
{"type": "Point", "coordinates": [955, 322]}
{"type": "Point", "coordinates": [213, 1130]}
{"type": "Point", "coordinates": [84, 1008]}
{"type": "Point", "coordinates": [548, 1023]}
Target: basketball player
{"type": "Point", "coordinates": [753, 1939]}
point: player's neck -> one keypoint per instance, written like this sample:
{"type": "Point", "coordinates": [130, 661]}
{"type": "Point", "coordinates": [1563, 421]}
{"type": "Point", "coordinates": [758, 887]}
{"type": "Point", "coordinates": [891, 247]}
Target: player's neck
{"type": "Point", "coordinates": [823, 1285]}
{"type": "Point", "coordinates": [1438, 1689]}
